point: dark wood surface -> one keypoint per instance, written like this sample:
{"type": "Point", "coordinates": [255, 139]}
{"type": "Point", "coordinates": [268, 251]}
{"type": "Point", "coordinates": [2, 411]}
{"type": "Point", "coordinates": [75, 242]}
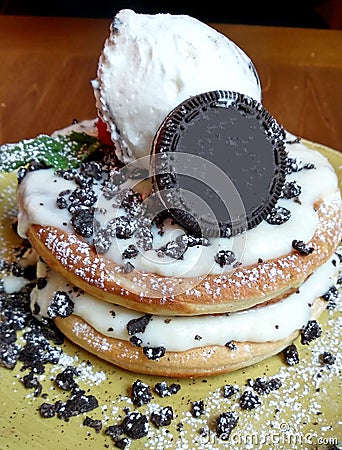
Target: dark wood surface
{"type": "Point", "coordinates": [46, 65]}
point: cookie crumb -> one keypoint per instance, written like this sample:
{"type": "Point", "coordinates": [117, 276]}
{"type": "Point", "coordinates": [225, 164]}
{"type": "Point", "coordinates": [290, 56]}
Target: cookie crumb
{"type": "Point", "coordinates": [291, 355]}
{"type": "Point", "coordinates": [310, 332]}
{"type": "Point", "coordinates": [225, 423]}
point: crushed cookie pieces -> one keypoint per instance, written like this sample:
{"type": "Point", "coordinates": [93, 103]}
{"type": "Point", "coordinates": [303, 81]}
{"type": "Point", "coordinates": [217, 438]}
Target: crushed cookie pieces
{"type": "Point", "coordinates": [173, 249]}
{"type": "Point", "coordinates": [138, 325]}
{"type": "Point", "coordinates": [130, 252]}
{"type": "Point", "coordinates": [83, 222]}
{"type": "Point", "coordinates": [31, 381]}
{"type": "Point", "coordinates": [144, 238]}
{"type": "Point", "coordinates": [225, 423]}
{"type": "Point", "coordinates": [231, 345]}
{"type": "Point", "coordinates": [327, 358]}
{"type": "Point", "coordinates": [165, 390]}
{"type": "Point", "coordinates": [128, 267]}
{"type": "Point", "coordinates": [154, 353]}
{"type": "Point", "coordinates": [197, 408]}
{"type": "Point", "coordinates": [291, 355]}
{"type": "Point", "coordinates": [291, 190]}
{"type": "Point", "coordinates": [331, 297]}
{"type": "Point", "coordinates": [141, 393]}
{"type": "Point", "coordinates": [61, 305]}
{"type": "Point", "coordinates": [302, 248]}
{"type": "Point", "coordinates": [163, 417]}
{"type": "Point", "coordinates": [229, 390]}
{"type": "Point", "coordinates": [114, 431]}
{"type": "Point", "coordinates": [47, 410]}
{"type": "Point", "coordinates": [135, 425]}
{"type": "Point", "coordinates": [309, 332]}
{"type": "Point", "coordinates": [134, 340]}
{"type": "Point", "coordinates": [65, 379]}
{"type": "Point", "coordinates": [264, 386]}
{"type": "Point", "coordinates": [121, 227]}
{"type": "Point", "coordinates": [278, 216]}
{"type": "Point", "coordinates": [249, 400]}
{"type": "Point", "coordinates": [77, 404]}
{"type": "Point", "coordinates": [293, 165]}
{"type": "Point", "coordinates": [96, 424]}
{"type": "Point", "coordinates": [41, 283]}
{"type": "Point", "coordinates": [225, 258]}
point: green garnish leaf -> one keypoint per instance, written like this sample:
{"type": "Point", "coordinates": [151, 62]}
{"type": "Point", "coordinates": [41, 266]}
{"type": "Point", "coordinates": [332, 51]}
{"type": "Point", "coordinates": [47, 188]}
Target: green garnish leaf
{"type": "Point", "coordinates": [60, 152]}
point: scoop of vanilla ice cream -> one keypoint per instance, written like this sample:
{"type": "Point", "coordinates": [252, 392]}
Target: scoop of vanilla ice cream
{"type": "Point", "coordinates": [151, 63]}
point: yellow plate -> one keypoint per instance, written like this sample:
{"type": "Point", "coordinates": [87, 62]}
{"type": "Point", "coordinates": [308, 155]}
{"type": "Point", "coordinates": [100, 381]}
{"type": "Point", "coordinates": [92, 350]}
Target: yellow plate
{"type": "Point", "coordinates": [305, 413]}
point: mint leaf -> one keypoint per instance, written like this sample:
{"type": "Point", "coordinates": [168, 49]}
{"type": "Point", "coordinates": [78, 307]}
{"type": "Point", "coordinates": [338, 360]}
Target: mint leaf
{"type": "Point", "coordinates": [61, 152]}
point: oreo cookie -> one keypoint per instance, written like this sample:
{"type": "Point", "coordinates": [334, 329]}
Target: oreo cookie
{"type": "Point", "coordinates": [218, 163]}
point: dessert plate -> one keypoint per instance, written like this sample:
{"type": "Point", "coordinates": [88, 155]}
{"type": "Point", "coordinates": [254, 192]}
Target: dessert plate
{"type": "Point", "coordinates": [305, 412]}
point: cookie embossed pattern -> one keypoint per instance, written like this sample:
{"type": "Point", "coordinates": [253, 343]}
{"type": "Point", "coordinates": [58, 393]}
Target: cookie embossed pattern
{"type": "Point", "coordinates": [171, 271]}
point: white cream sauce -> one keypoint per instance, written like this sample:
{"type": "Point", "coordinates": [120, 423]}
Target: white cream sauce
{"type": "Point", "coordinates": [261, 324]}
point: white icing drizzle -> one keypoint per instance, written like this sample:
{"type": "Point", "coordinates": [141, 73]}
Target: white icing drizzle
{"type": "Point", "coordinates": [37, 205]}
{"type": "Point", "coordinates": [271, 322]}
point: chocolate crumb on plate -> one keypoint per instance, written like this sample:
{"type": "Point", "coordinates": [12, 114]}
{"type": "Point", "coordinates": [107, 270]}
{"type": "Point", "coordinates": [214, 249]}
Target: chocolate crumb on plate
{"type": "Point", "coordinates": [310, 331]}
{"type": "Point", "coordinates": [122, 443]}
{"type": "Point", "coordinates": [135, 425]}
{"type": "Point", "coordinates": [225, 423]}
{"type": "Point", "coordinates": [249, 400]}
{"type": "Point", "coordinates": [141, 393]}
{"type": "Point", "coordinates": [229, 390]}
{"type": "Point", "coordinates": [93, 423]}
{"type": "Point", "coordinates": [264, 386]}
{"type": "Point", "coordinates": [77, 404]}
{"type": "Point", "coordinates": [47, 410]}
{"type": "Point", "coordinates": [197, 408]}
{"type": "Point", "coordinates": [291, 355]}
{"type": "Point", "coordinates": [31, 381]}
{"type": "Point", "coordinates": [331, 297]}
{"type": "Point", "coordinates": [162, 417]}
{"type": "Point", "coordinates": [327, 358]}
{"type": "Point", "coordinates": [65, 379]}
{"type": "Point", "coordinates": [165, 390]}
{"type": "Point", "coordinates": [114, 431]}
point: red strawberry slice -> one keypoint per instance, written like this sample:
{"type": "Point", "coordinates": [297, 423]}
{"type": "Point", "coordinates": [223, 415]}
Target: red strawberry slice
{"type": "Point", "coordinates": [102, 133]}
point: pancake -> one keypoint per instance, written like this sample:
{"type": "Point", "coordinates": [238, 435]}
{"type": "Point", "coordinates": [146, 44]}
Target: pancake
{"type": "Point", "coordinates": [195, 362]}
{"type": "Point", "coordinates": [242, 289]}
{"type": "Point", "coordinates": [228, 289]}
{"type": "Point", "coordinates": [183, 346]}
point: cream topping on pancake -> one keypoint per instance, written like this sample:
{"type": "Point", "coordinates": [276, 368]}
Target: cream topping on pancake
{"type": "Point", "coordinates": [270, 322]}
{"type": "Point", "coordinates": [37, 205]}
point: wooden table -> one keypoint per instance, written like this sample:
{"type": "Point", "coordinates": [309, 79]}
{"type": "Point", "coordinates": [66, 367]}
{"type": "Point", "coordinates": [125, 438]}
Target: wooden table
{"type": "Point", "coordinates": [46, 65]}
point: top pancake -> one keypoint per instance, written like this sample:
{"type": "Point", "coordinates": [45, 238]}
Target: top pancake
{"type": "Point", "coordinates": [239, 289]}
{"type": "Point", "coordinates": [201, 291]}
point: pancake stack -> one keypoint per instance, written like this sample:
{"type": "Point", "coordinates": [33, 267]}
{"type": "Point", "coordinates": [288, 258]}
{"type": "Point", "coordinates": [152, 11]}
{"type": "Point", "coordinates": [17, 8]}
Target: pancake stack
{"type": "Point", "coordinates": [199, 246]}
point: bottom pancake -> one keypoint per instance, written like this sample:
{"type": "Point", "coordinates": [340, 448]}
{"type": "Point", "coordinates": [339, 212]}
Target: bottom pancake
{"type": "Point", "coordinates": [195, 362]}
